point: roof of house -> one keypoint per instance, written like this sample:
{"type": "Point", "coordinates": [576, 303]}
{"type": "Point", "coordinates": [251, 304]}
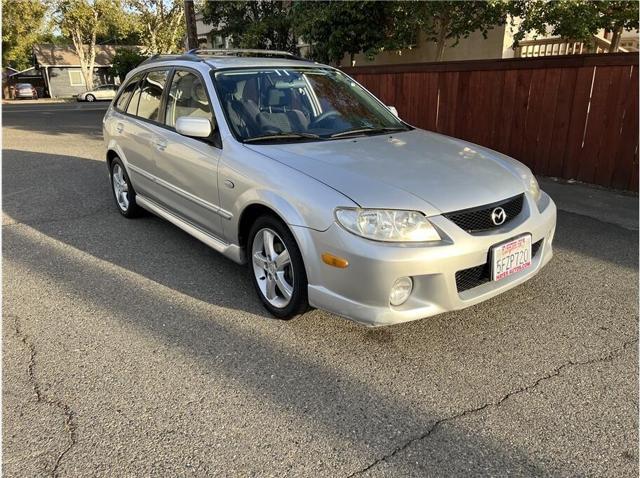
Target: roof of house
{"type": "Point", "coordinates": [52, 55]}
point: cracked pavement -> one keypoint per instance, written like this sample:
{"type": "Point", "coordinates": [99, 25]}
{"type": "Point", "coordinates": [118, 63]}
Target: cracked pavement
{"type": "Point", "coordinates": [132, 349]}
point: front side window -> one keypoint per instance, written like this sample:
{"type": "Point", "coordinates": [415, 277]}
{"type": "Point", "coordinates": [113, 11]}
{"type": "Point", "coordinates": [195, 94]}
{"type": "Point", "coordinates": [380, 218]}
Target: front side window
{"type": "Point", "coordinates": [308, 103]}
{"type": "Point", "coordinates": [187, 97]}
{"type": "Point", "coordinates": [123, 99]}
{"type": "Point", "coordinates": [151, 94]}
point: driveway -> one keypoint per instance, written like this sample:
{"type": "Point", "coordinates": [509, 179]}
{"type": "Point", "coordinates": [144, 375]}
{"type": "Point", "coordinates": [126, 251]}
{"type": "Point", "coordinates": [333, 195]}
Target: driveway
{"type": "Point", "coordinates": [132, 349]}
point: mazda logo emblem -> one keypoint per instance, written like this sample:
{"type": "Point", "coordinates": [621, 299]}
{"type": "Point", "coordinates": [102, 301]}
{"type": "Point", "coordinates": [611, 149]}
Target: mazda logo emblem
{"type": "Point", "coordinates": [498, 216]}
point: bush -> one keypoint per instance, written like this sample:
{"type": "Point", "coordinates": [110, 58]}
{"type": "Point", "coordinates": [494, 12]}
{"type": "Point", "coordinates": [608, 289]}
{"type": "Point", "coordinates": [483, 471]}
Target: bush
{"type": "Point", "coordinates": [125, 60]}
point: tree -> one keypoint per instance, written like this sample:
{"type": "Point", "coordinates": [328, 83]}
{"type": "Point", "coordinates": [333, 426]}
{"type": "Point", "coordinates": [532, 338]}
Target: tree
{"type": "Point", "coordinates": [446, 22]}
{"type": "Point", "coordinates": [125, 60]}
{"type": "Point", "coordinates": [255, 24]}
{"type": "Point", "coordinates": [336, 28]}
{"type": "Point", "coordinates": [575, 19]}
{"type": "Point", "coordinates": [161, 24]}
{"type": "Point", "coordinates": [21, 25]}
{"type": "Point", "coordinates": [82, 21]}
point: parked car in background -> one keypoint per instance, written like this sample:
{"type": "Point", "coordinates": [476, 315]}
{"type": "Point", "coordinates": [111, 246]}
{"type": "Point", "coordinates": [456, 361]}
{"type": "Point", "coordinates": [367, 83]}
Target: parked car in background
{"type": "Point", "coordinates": [26, 90]}
{"type": "Point", "coordinates": [104, 92]}
{"type": "Point", "coordinates": [333, 201]}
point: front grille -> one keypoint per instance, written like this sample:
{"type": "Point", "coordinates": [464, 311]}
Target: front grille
{"type": "Point", "coordinates": [479, 218]}
{"type": "Point", "coordinates": [474, 276]}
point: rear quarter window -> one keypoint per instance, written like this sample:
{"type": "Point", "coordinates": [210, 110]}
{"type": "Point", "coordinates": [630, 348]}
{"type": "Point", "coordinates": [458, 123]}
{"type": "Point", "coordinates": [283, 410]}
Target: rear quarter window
{"type": "Point", "coordinates": [125, 96]}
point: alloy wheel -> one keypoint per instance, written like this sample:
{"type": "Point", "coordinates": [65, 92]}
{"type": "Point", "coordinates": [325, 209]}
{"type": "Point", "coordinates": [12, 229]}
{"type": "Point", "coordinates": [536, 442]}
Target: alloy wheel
{"type": "Point", "coordinates": [120, 187]}
{"type": "Point", "coordinates": [272, 267]}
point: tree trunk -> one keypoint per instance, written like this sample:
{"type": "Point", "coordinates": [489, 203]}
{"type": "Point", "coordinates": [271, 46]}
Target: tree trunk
{"type": "Point", "coordinates": [615, 40]}
{"type": "Point", "coordinates": [76, 37]}
{"type": "Point", "coordinates": [190, 17]}
{"type": "Point", "coordinates": [442, 38]}
{"type": "Point", "coordinates": [87, 58]}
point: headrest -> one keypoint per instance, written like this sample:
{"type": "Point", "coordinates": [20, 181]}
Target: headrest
{"type": "Point", "coordinates": [277, 97]}
{"type": "Point", "coordinates": [198, 92]}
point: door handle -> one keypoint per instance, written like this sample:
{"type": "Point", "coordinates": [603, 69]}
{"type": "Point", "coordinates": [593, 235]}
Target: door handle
{"type": "Point", "coordinates": [119, 127]}
{"type": "Point", "coordinates": [161, 144]}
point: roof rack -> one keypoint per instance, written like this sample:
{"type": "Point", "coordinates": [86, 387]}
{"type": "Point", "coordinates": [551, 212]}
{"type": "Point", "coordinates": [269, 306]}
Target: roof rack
{"type": "Point", "coordinates": [163, 57]}
{"type": "Point", "coordinates": [244, 52]}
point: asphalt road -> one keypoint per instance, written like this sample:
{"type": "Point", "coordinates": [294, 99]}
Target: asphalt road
{"type": "Point", "coordinates": [132, 349]}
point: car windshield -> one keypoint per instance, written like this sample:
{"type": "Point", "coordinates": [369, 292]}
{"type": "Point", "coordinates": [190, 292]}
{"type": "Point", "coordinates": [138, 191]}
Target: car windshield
{"type": "Point", "coordinates": [300, 104]}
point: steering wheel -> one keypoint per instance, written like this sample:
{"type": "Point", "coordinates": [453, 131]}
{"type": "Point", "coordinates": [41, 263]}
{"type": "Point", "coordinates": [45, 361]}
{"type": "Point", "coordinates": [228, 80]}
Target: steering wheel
{"type": "Point", "coordinates": [325, 115]}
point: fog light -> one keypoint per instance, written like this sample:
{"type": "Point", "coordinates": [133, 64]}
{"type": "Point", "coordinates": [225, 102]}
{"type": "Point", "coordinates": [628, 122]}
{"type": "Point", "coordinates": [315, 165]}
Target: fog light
{"type": "Point", "coordinates": [401, 290]}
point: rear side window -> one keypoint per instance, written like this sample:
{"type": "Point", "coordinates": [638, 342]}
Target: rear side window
{"type": "Point", "coordinates": [132, 109]}
{"type": "Point", "coordinates": [123, 99]}
{"type": "Point", "coordinates": [151, 94]}
{"type": "Point", "coordinates": [187, 97]}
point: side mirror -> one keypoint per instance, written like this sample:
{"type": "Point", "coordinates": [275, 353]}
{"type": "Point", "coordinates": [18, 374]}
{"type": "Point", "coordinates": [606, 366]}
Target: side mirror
{"type": "Point", "coordinates": [393, 110]}
{"type": "Point", "coordinates": [194, 127]}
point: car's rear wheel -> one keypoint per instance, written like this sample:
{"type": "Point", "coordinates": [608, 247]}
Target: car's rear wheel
{"type": "Point", "coordinates": [123, 191]}
{"type": "Point", "coordinates": [90, 98]}
{"type": "Point", "coordinates": [277, 269]}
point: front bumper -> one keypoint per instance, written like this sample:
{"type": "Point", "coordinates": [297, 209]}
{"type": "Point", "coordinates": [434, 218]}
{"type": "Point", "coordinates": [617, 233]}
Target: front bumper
{"type": "Point", "coordinates": [361, 291]}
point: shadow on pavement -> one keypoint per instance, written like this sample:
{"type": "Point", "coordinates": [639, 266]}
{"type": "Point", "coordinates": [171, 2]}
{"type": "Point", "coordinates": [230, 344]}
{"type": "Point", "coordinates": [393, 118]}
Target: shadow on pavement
{"type": "Point", "coordinates": [87, 122]}
{"type": "Point", "coordinates": [41, 190]}
{"type": "Point", "coordinates": [349, 411]}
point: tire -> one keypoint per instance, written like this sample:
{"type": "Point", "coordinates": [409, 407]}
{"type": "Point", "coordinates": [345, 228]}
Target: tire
{"type": "Point", "coordinates": [272, 274]}
{"type": "Point", "coordinates": [123, 192]}
{"type": "Point", "coordinates": [90, 98]}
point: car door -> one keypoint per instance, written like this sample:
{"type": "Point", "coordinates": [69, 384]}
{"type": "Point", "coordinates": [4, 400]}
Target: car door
{"type": "Point", "coordinates": [125, 131]}
{"type": "Point", "coordinates": [187, 168]}
{"type": "Point", "coordinates": [101, 93]}
{"type": "Point", "coordinates": [144, 114]}
{"type": "Point", "coordinates": [110, 92]}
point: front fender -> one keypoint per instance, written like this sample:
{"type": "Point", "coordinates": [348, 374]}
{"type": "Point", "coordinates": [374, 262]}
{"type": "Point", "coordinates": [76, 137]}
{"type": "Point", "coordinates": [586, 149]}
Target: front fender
{"type": "Point", "coordinates": [246, 178]}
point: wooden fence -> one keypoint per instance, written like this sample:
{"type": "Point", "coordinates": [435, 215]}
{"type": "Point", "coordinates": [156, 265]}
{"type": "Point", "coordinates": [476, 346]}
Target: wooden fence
{"type": "Point", "coordinates": [574, 117]}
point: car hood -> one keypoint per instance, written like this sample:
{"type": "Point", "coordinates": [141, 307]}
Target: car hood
{"type": "Point", "coordinates": [416, 170]}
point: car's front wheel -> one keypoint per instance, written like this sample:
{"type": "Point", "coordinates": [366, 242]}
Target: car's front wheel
{"type": "Point", "coordinates": [277, 269]}
{"type": "Point", "coordinates": [90, 98]}
{"type": "Point", "coordinates": [123, 191]}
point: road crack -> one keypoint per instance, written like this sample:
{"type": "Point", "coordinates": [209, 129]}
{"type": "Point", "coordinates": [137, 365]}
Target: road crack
{"type": "Point", "coordinates": [554, 373]}
{"type": "Point", "coordinates": [41, 397]}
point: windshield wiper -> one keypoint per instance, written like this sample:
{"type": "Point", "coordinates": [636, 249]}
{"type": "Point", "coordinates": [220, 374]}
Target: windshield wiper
{"type": "Point", "coordinates": [278, 136]}
{"type": "Point", "coordinates": [349, 132]}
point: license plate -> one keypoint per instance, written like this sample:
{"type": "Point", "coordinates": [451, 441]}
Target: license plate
{"type": "Point", "coordinates": [511, 257]}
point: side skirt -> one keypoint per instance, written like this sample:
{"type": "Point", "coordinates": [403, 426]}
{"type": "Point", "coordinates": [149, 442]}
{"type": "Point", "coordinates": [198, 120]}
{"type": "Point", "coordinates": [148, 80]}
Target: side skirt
{"type": "Point", "coordinates": [233, 252]}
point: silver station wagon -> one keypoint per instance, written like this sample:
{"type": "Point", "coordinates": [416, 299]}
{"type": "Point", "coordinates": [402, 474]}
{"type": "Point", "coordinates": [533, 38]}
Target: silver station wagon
{"type": "Point", "coordinates": [333, 201]}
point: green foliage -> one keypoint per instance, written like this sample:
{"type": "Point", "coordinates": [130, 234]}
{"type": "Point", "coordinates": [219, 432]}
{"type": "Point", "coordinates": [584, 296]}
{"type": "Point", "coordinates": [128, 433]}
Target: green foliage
{"type": "Point", "coordinates": [574, 19]}
{"type": "Point", "coordinates": [252, 24]}
{"type": "Point", "coordinates": [90, 18]}
{"type": "Point", "coordinates": [159, 24]}
{"type": "Point", "coordinates": [21, 25]}
{"type": "Point", "coordinates": [446, 22]}
{"type": "Point", "coordinates": [336, 28]}
{"type": "Point", "coordinates": [125, 60]}
{"type": "Point", "coordinates": [83, 21]}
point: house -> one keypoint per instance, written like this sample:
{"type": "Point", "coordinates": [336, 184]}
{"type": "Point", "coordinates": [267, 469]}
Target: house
{"type": "Point", "coordinates": [60, 69]}
{"type": "Point", "coordinates": [497, 44]}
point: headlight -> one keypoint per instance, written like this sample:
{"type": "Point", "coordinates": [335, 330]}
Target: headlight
{"type": "Point", "coordinates": [534, 188]}
{"type": "Point", "coordinates": [388, 225]}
